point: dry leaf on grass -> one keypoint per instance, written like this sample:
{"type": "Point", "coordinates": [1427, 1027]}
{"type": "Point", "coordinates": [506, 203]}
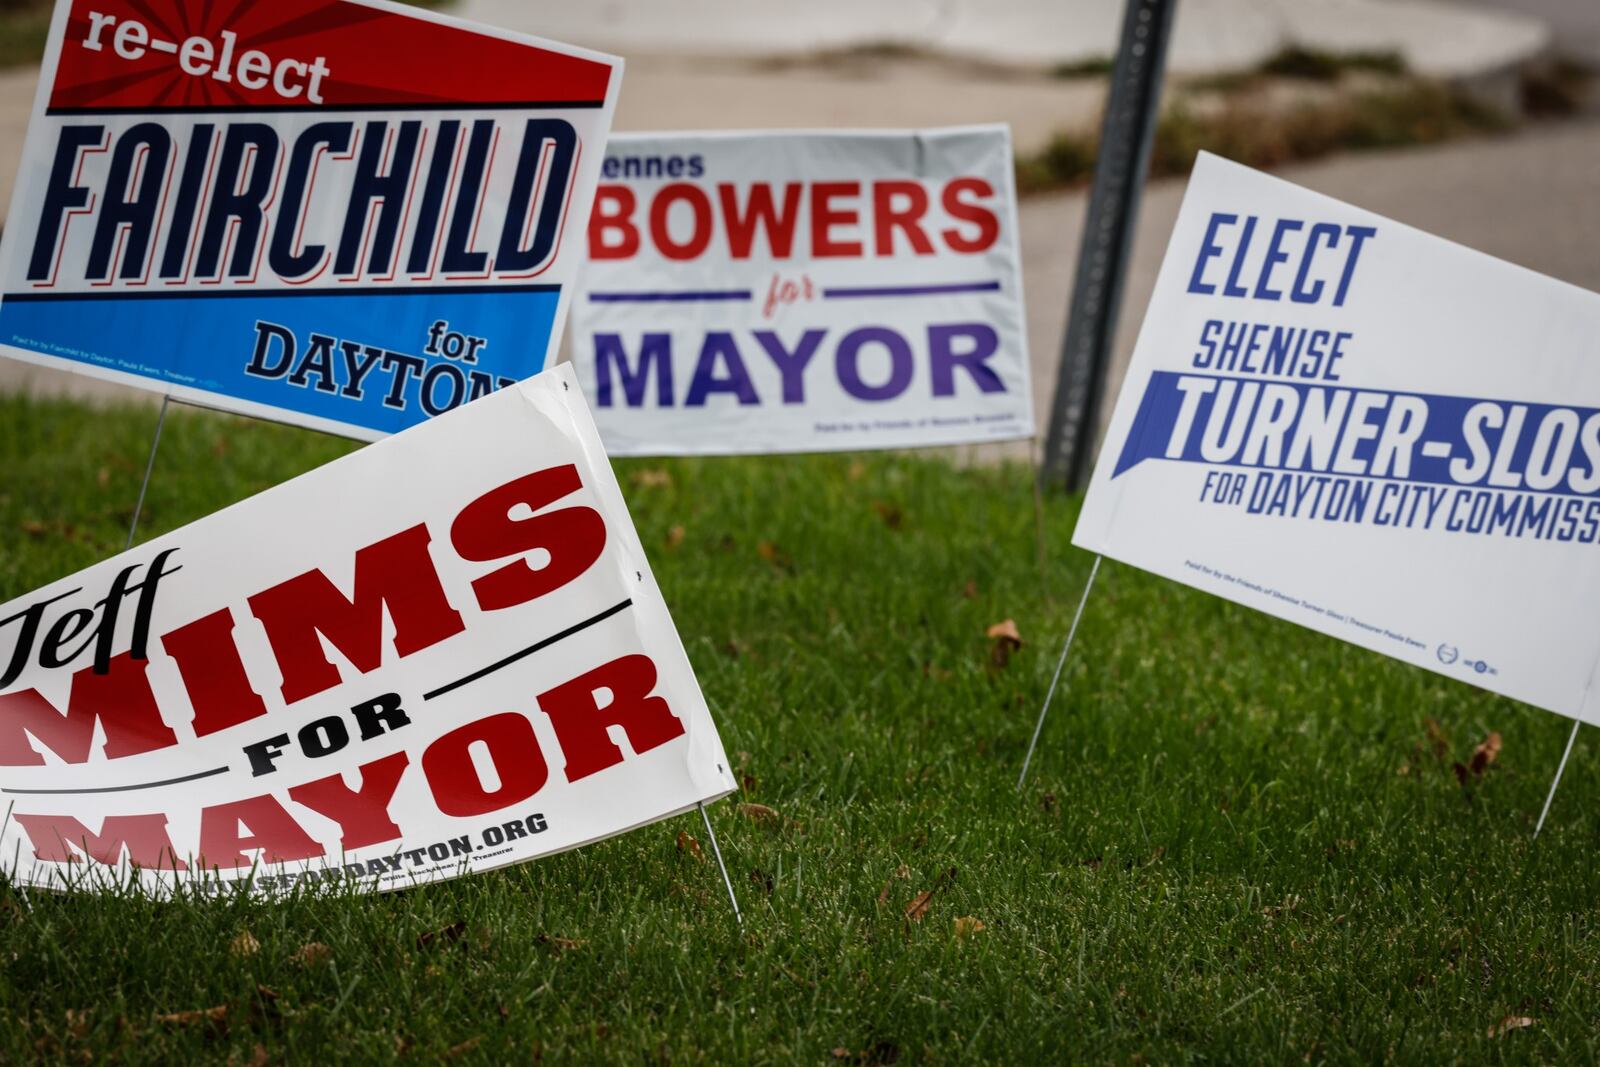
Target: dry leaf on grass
{"type": "Point", "coordinates": [245, 944]}
{"type": "Point", "coordinates": [970, 590]}
{"type": "Point", "coordinates": [892, 516]}
{"type": "Point", "coordinates": [774, 555]}
{"type": "Point", "coordinates": [1005, 631]}
{"type": "Point", "coordinates": [444, 935]}
{"type": "Point", "coordinates": [675, 536]}
{"type": "Point", "coordinates": [918, 907]}
{"type": "Point", "coordinates": [758, 812]}
{"type": "Point", "coordinates": [651, 478]}
{"type": "Point", "coordinates": [215, 1016]}
{"type": "Point", "coordinates": [687, 843]}
{"type": "Point", "coordinates": [462, 1049]}
{"type": "Point", "coordinates": [312, 953]}
{"type": "Point", "coordinates": [1510, 1023]}
{"type": "Point", "coordinates": [966, 926]}
{"type": "Point", "coordinates": [1007, 639]}
{"type": "Point", "coordinates": [560, 944]}
{"type": "Point", "coordinates": [1486, 753]}
{"type": "Point", "coordinates": [1482, 756]}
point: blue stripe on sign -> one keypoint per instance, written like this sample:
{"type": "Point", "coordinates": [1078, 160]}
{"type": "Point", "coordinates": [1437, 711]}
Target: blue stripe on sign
{"type": "Point", "coordinates": [661, 297]}
{"type": "Point", "coordinates": [913, 290]}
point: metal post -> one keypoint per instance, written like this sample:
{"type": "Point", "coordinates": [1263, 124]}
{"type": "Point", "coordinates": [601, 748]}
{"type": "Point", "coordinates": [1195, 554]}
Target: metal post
{"type": "Point", "coordinates": [716, 850]}
{"type": "Point", "coordinates": [1560, 767]}
{"type": "Point", "coordinates": [1072, 632]}
{"type": "Point", "coordinates": [1120, 166]}
{"type": "Point", "coordinates": [149, 465]}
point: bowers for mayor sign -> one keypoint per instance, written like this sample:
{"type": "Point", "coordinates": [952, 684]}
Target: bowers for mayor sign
{"type": "Point", "coordinates": [793, 292]}
{"type": "Point", "coordinates": [394, 669]}
{"type": "Point", "coordinates": [1348, 423]}
{"type": "Point", "coordinates": [339, 213]}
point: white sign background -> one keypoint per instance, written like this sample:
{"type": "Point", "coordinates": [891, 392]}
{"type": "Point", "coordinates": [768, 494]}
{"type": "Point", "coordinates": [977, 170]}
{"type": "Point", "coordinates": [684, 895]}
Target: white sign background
{"type": "Point", "coordinates": [319, 521]}
{"type": "Point", "coordinates": [970, 278]}
{"type": "Point", "coordinates": [1508, 606]}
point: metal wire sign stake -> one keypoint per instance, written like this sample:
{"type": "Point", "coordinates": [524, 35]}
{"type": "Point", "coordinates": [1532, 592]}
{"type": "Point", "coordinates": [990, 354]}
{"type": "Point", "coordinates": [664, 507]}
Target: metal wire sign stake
{"type": "Point", "coordinates": [1072, 632]}
{"type": "Point", "coordinates": [149, 465]}
{"type": "Point", "coordinates": [716, 850]}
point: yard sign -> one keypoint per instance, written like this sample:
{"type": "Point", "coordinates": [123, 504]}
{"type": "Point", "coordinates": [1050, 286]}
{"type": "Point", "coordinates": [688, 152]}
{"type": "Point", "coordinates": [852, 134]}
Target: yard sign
{"type": "Point", "coordinates": [343, 214]}
{"type": "Point", "coordinates": [802, 292]}
{"type": "Point", "coordinates": [1367, 430]}
{"type": "Point", "coordinates": [441, 654]}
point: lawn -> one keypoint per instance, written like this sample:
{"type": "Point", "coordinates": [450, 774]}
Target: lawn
{"type": "Point", "coordinates": [1240, 842]}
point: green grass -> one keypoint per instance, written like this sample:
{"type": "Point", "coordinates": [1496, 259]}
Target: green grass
{"type": "Point", "coordinates": [1240, 842]}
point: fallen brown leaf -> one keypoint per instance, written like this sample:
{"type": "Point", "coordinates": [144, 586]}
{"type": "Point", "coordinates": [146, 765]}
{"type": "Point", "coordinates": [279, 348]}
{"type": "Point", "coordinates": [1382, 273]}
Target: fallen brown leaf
{"type": "Point", "coordinates": [892, 516]}
{"type": "Point", "coordinates": [1486, 753]}
{"type": "Point", "coordinates": [758, 812]}
{"type": "Point", "coordinates": [1007, 639]}
{"type": "Point", "coordinates": [774, 555]}
{"type": "Point", "coordinates": [1510, 1023]}
{"type": "Point", "coordinates": [312, 953]}
{"type": "Point", "coordinates": [245, 944]}
{"type": "Point", "coordinates": [918, 907]}
{"type": "Point", "coordinates": [651, 478]}
{"type": "Point", "coordinates": [462, 1049]}
{"type": "Point", "coordinates": [216, 1016]}
{"type": "Point", "coordinates": [856, 471]}
{"type": "Point", "coordinates": [686, 843]}
{"type": "Point", "coordinates": [966, 926]}
{"type": "Point", "coordinates": [77, 1022]}
{"type": "Point", "coordinates": [675, 536]}
{"type": "Point", "coordinates": [970, 590]}
{"type": "Point", "coordinates": [1005, 631]}
{"type": "Point", "coordinates": [560, 944]}
{"type": "Point", "coordinates": [444, 935]}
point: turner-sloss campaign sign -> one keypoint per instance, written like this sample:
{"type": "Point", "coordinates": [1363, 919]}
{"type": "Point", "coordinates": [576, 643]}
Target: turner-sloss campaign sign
{"type": "Point", "coordinates": [345, 214]}
{"type": "Point", "coordinates": [793, 292]}
{"type": "Point", "coordinates": [1367, 430]}
{"type": "Point", "coordinates": [441, 654]}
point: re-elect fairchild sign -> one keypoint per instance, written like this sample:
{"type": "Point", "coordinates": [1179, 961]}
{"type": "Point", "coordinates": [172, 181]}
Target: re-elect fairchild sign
{"type": "Point", "coordinates": [1369, 431]}
{"type": "Point", "coordinates": [796, 292]}
{"type": "Point", "coordinates": [344, 214]}
{"type": "Point", "coordinates": [442, 654]}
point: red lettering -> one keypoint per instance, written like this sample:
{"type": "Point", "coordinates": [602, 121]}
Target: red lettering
{"type": "Point", "coordinates": [484, 531]}
{"type": "Point", "coordinates": [396, 573]}
{"type": "Point", "coordinates": [907, 218]}
{"type": "Point", "coordinates": [227, 830]}
{"type": "Point", "coordinates": [824, 217]}
{"type": "Point", "coordinates": [978, 214]}
{"type": "Point", "coordinates": [213, 673]}
{"type": "Point", "coordinates": [760, 214]}
{"type": "Point", "coordinates": [580, 720]}
{"type": "Point", "coordinates": [699, 238]}
{"type": "Point", "coordinates": [604, 219]}
{"type": "Point", "coordinates": [120, 700]}
{"type": "Point", "coordinates": [362, 814]}
{"type": "Point", "coordinates": [511, 746]}
{"type": "Point", "coordinates": [143, 836]}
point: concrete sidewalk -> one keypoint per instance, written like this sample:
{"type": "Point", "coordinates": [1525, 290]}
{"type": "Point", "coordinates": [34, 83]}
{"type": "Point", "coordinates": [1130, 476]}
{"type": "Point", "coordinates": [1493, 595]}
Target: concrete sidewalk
{"type": "Point", "coordinates": [1437, 39]}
